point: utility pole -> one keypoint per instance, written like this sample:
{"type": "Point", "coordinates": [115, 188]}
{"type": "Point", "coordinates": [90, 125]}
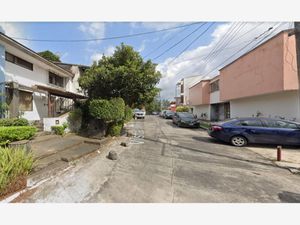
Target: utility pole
{"type": "Point", "coordinates": [297, 37]}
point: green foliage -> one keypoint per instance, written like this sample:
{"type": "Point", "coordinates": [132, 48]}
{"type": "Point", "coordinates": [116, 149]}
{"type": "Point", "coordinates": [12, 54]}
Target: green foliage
{"type": "Point", "coordinates": [17, 133]}
{"type": "Point", "coordinates": [115, 129]}
{"type": "Point", "coordinates": [107, 110]}
{"type": "Point", "coordinates": [165, 103]}
{"type": "Point", "coordinates": [182, 109]}
{"type": "Point", "coordinates": [58, 130]}
{"type": "Point", "coordinates": [125, 75]}
{"type": "Point", "coordinates": [128, 114]}
{"type": "Point", "coordinates": [75, 119]}
{"type": "Point", "coordinates": [50, 56]}
{"type": "Point", "coordinates": [14, 122]}
{"type": "Point", "coordinates": [153, 106]}
{"type": "Point", "coordinates": [14, 163]}
{"type": "Point", "coordinates": [65, 125]}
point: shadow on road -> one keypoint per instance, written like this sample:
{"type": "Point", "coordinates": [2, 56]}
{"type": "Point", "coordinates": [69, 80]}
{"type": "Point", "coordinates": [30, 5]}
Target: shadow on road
{"type": "Point", "coordinates": [216, 154]}
{"type": "Point", "coordinates": [289, 197]}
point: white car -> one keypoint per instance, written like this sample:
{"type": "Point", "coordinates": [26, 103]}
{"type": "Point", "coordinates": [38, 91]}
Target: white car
{"type": "Point", "coordinates": [139, 114]}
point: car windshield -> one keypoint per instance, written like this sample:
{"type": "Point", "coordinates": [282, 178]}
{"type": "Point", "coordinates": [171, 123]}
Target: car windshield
{"type": "Point", "coordinates": [169, 112]}
{"type": "Point", "coordinates": [186, 115]}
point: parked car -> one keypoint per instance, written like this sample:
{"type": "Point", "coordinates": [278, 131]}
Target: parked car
{"type": "Point", "coordinates": [138, 113]}
{"type": "Point", "coordinates": [240, 132]}
{"type": "Point", "coordinates": [162, 113]}
{"type": "Point", "coordinates": [168, 114]}
{"type": "Point", "coordinates": [155, 113]}
{"type": "Point", "coordinates": [185, 119]}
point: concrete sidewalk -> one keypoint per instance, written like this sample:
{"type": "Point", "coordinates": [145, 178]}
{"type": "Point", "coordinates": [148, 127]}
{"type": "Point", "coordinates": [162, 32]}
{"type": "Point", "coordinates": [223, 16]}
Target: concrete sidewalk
{"type": "Point", "coordinates": [290, 157]}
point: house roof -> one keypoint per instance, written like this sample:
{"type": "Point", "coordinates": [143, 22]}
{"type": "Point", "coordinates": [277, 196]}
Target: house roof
{"type": "Point", "coordinates": [276, 35]}
{"type": "Point", "coordinates": [32, 53]}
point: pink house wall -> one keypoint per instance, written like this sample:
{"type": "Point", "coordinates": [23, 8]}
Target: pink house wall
{"type": "Point", "coordinates": [199, 93]}
{"type": "Point", "coordinates": [261, 71]}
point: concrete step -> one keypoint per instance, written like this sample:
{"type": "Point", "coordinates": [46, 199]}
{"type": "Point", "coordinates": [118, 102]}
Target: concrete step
{"type": "Point", "coordinates": [78, 151]}
{"type": "Point", "coordinates": [53, 145]}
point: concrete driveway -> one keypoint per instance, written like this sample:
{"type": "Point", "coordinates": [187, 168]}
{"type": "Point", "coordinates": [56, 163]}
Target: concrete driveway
{"type": "Point", "coordinates": [164, 163]}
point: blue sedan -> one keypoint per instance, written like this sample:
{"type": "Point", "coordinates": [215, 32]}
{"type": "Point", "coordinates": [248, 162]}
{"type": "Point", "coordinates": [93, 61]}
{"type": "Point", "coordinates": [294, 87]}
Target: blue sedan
{"type": "Point", "coordinates": [239, 132]}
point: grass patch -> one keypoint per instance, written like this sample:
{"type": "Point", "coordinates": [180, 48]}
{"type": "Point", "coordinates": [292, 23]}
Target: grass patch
{"type": "Point", "coordinates": [15, 165]}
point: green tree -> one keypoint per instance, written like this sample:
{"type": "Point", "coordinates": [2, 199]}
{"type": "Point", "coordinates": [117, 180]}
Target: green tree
{"type": "Point", "coordinates": [165, 103]}
{"type": "Point", "coordinates": [153, 106]}
{"type": "Point", "coordinates": [49, 56]}
{"type": "Point", "coordinates": [125, 75]}
{"type": "Point", "coordinates": [182, 109]}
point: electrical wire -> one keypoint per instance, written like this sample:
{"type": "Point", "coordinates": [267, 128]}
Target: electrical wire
{"type": "Point", "coordinates": [177, 43]}
{"type": "Point", "coordinates": [192, 42]}
{"type": "Point", "coordinates": [106, 38]}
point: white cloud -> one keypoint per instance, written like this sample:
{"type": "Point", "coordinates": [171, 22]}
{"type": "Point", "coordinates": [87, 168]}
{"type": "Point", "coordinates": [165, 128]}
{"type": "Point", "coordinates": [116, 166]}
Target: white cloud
{"type": "Point", "coordinates": [192, 62]}
{"type": "Point", "coordinates": [93, 30]}
{"type": "Point", "coordinates": [14, 30]}
{"type": "Point", "coordinates": [109, 51]}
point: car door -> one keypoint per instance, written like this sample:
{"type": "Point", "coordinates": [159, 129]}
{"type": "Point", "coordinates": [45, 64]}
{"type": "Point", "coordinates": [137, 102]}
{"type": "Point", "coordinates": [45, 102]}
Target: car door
{"type": "Point", "coordinates": [254, 130]}
{"type": "Point", "coordinates": [284, 132]}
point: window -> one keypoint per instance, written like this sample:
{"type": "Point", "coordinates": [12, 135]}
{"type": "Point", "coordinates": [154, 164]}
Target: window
{"type": "Point", "coordinates": [18, 61]}
{"type": "Point", "coordinates": [25, 101]}
{"type": "Point", "coordinates": [250, 123]}
{"type": "Point", "coordinates": [214, 86]}
{"type": "Point", "coordinates": [56, 80]}
{"type": "Point", "coordinates": [281, 124]}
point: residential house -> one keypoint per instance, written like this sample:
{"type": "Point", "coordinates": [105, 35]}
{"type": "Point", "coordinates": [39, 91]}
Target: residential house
{"type": "Point", "coordinates": [182, 89]}
{"type": "Point", "coordinates": [261, 82]}
{"type": "Point", "coordinates": [33, 87]}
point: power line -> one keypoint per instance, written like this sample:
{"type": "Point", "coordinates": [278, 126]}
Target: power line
{"type": "Point", "coordinates": [228, 41]}
{"type": "Point", "coordinates": [251, 41]}
{"type": "Point", "coordinates": [225, 48]}
{"type": "Point", "coordinates": [107, 38]}
{"type": "Point", "coordinates": [151, 52]}
{"type": "Point", "coordinates": [192, 42]}
{"type": "Point", "coordinates": [255, 39]}
{"type": "Point", "coordinates": [221, 40]}
{"type": "Point", "coordinates": [177, 43]}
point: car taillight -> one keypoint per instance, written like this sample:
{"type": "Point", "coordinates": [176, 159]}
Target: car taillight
{"type": "Point", "coordinates": [216, 128]}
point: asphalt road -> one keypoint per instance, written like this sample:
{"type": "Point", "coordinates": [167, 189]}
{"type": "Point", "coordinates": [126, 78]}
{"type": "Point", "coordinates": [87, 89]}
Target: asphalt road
{"type": "Point", "coordinates": [164, 163]}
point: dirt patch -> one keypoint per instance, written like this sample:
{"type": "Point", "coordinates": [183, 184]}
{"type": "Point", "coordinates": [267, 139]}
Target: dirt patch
{"type": "Point", "coordinates": [16, 185]}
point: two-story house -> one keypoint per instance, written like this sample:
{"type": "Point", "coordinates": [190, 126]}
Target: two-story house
{"type": "Point", "coordinates": [33, 87]}
{"type": "Point", "coordinates": [261, 82]}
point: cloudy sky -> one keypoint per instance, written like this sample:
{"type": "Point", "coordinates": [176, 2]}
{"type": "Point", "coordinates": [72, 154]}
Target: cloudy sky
{"type": "Point", "coordinates": [193, 49]}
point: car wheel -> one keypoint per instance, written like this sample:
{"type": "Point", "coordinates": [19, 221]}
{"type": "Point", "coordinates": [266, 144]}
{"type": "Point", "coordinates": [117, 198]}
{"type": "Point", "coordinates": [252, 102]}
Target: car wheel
{"type": "Point", "coordinates": [238, 141]}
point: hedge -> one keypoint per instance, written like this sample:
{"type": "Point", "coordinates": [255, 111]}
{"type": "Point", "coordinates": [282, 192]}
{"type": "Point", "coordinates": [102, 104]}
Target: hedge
{"type": "Point", "coordinates": [115, 129]}
{"type": "Point", "coordinates": [13, 122]}
{"type": "Point", "coordinates": [128, 114]}
{"type": "Point", "coordinates": [14, 164]}
{"type": "Point", "coordinates": [17, 133]}
{"type": "Point", "coordinates": [58, 130]}
{"type": "Point", "coordinates": [108, 110]}
{"type": "Point", "coordinates": [182, 109]}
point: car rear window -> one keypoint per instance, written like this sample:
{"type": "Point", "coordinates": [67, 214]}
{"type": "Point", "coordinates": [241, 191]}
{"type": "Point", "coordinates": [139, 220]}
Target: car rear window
{"type": "Point", "coordinates": [250, 123]}
{"type": "Point", "coordinates": [280, 124]}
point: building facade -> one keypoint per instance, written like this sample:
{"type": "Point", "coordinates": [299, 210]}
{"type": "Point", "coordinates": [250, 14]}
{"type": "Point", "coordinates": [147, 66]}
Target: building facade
{"type": "Point", "coordinates": [33, 87]}
{"type": "Point", "coordinates": [182, 89]}
{"type": "Point", "coordinates": [262, 82]}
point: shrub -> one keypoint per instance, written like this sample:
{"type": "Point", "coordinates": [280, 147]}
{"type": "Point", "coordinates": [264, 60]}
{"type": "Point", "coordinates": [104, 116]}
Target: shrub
{"type": "Point", "coordinates": [14, 122]}
{"type": "Point", "coordinates": [75, 119]}
{"type": "Point", "coordinates": [115, 129]}
{"type": "Point", "coordinates": [17, 133]}
{"type": "Point", "coordinates": [58, 130]}
{"type": "Point", "coordinates": [182, 109]}
{"type": "Point", "coordinates": [108, 110]}
{"type": "Point", "coordinates": [14, 164]}
{"type": "Point", "coordinates": [128, 114]}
